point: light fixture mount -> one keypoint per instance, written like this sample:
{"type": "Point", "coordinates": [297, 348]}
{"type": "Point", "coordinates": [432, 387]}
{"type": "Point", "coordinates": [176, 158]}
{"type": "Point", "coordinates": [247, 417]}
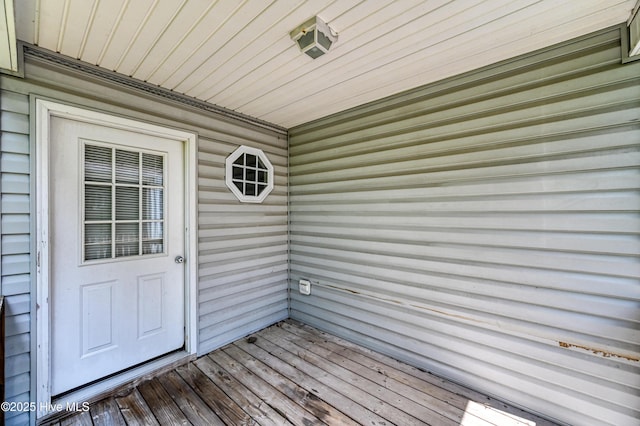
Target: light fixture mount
{"type": "Point", "coordinates": [314, 37]}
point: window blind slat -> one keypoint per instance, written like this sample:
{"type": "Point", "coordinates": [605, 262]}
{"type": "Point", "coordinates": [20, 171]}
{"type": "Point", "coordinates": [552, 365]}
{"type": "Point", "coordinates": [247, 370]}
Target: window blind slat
{"type": "Point", "coordinates": [127, 203]}
{"type": "Point", "coordinates": [127, 167]}
{"type": "Point", "coordinates": [97, 202]}
{"type": "Point", "coordinates": [97, 163]}
{"type": "Point", "coordinates": [97, 241]}
{"type": "Point", "coordinates": [152, 170]}
{"type": "Point", "coordinates": [152, 204]}
{"type": "Point", "coordinates": [152, 237]}
{"type": "Point", "coordinates": [127, 239]}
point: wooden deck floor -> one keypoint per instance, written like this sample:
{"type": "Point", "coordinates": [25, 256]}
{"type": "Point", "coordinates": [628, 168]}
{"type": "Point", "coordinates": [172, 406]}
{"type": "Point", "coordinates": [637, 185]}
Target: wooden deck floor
{"type": "Point", "coordinates": [294, 374]}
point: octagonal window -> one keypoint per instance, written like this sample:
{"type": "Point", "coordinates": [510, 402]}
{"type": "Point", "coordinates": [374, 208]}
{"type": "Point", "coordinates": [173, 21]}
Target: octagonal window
{"type": "Point", "coordinates": [249, 174]}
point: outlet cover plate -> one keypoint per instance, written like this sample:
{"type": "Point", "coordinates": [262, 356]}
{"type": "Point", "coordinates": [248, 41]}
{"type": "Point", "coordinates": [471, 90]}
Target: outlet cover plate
{"type": "Point", "coordinates": [305, 287]}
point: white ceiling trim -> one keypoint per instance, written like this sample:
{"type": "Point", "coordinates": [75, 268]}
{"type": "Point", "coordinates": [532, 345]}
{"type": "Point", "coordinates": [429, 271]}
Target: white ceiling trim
{"type": "Point", "coordinates": [8, 42]}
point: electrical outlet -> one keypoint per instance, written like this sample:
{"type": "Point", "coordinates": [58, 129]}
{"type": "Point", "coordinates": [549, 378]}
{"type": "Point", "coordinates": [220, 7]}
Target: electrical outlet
{"type": "Point", "coordinates": [305, 287]}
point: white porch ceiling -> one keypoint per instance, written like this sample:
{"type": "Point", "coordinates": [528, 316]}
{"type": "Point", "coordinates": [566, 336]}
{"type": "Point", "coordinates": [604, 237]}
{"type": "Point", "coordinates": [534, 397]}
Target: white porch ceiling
{"type": "Point", "coordinates": [238, 54]}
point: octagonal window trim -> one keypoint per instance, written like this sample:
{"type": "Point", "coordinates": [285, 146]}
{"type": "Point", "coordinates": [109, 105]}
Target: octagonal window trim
{"type": "Point", "coordinates": [249, 174]}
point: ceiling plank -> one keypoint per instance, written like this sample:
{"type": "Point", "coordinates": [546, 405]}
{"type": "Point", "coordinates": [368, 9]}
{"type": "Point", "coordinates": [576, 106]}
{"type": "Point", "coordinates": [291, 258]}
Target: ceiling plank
{"type": "Point", "coordinates": [150, 33]}
{"type": "Point", "coordinates": [26, 19]}
{"type": "Point", "coordinates": [179, 27]}
{"type": "Point", "coordinates": [221, 23]}
{"type": "Point", "coordinates": [239, 39]}
{"type": "Point", "coordinates": [240, 51]}
{"type": "Point", "coordinates": [100, 29]}
{"type": "Point", "coordinates": [50, 18]}
{"type": "Point", "coordinates": [360, 45]}
{"type": "Point", "coordinates": [132, 22]}
{"type": "Point", "coordinates": [80, 15]}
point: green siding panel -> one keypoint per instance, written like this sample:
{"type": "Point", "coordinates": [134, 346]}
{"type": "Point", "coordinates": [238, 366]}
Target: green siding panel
{"type": "Point", "coordinates": [14, 122]}
{"type": "Point", "coordinates": [16, 284]}
{"type": "Point", "coordinates": [486, 228]}
{"type": "Point", "coordinates": [15, 246]}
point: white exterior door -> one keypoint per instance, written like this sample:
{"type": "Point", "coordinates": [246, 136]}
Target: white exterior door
{"type": "Point", "coordinates": [116, 228]}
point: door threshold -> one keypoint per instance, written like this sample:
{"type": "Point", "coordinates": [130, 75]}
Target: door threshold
{"type": "Point", "coordinates": [78, 400]}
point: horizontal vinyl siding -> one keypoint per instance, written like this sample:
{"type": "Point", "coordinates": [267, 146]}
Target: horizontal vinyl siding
{"type": "Point", "coordinates": [242, 247]}
{"type": "Point", "coordinates": [15, 248]}
{"type": "Point", "coordinates": [486, 228]}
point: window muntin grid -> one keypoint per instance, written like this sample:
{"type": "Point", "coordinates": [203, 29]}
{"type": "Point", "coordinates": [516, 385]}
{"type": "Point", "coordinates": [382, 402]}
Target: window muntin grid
{"type": "Point", "coordinates": [123, 202]}
{"type": "Point", "coordinates": [249, 174]}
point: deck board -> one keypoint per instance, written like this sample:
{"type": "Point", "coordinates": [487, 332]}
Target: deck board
{"type": "Point", "coordinates": [107, 413]}
{"type": "Point", "coordinates": [316, 407]}
{"type": "Point", "coordinates": [294, 374]}
{"type": "Point", "coordinates": [188, 400]}
{"type": "Point", "coordinates": [264, 389]}
{"type": "Point", "coordinates": [161, 404]}
{"type": "Point", "coordinates": [393, 405]}
{"type": "Point", "coordinates": [241, 396]}
{"type": "Point", "coordinates": [454, 394]}
{"type": "Point", "coordinates": [440, 403]}
{"type": "Point", "coordinates": [406, 398]}
{"type": "Point", "coordinates": [226, 410]}
{"type": "Point", "coordinates": [340, 386]}
{"type": "Point", "coordinates": [312, 384]}
{"type": "Point", "coordinates": [135, 410]}
{"type": "Point", "coordinates": [81, 419]}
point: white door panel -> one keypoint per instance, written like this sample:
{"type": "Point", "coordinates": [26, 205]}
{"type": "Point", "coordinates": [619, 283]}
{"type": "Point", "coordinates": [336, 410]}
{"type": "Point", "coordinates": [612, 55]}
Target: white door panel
{"type": "Point", "coordinates": [117, 295]}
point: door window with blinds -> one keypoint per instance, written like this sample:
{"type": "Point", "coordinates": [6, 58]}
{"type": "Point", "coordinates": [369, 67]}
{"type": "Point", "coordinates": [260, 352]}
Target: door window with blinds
{"type": "Point", "coordinates": [124, 202]}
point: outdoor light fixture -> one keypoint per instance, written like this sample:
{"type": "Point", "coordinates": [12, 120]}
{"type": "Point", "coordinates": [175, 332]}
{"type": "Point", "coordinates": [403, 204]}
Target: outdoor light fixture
{"type": "Point", "coordinates": [314, 37]}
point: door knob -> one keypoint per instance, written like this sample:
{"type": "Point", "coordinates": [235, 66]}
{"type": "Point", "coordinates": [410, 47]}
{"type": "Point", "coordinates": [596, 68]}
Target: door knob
{"type": "Point", "coordinates": [179, 259]}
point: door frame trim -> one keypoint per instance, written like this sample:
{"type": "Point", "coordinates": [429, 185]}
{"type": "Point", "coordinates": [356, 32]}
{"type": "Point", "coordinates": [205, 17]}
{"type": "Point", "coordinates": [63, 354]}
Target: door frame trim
{"type": "Point", "coordinates": [44, 110]}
